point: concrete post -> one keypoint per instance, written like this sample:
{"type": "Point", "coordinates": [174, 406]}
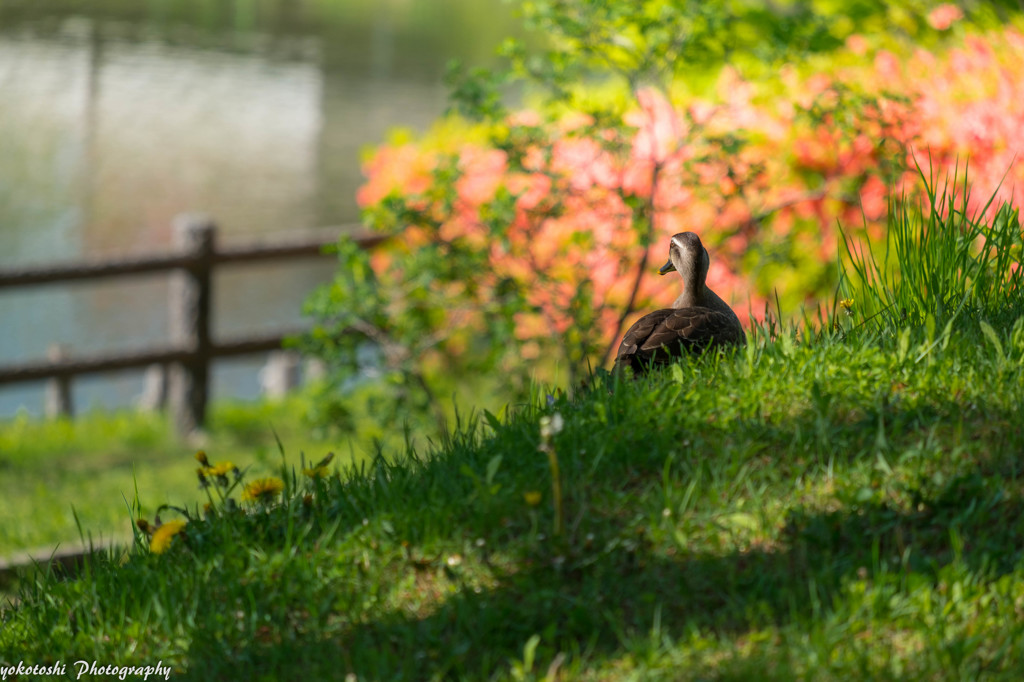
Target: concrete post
{"type": "Point", "coordinates": [58, 401]}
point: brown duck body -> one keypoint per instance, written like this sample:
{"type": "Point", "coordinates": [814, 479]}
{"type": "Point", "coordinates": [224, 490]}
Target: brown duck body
{"type": "Point", "coordinates": [699, 318]}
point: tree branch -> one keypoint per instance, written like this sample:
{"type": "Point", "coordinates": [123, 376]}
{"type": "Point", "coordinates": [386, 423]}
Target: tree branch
{"type": "Point", "coordinates": [650, 214]}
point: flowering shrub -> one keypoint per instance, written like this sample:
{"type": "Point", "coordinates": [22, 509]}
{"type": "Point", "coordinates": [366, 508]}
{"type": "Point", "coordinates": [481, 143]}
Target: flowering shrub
{"type": "Point", "coordinates": [547, 225]}
{"type": "Point", "coordinates": [969, 108]}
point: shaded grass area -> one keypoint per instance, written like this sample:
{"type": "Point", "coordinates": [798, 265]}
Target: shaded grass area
{"type": "Point", "coordinates": [92, 467]}
{"type": "Point", "coordinates": [818, 509]}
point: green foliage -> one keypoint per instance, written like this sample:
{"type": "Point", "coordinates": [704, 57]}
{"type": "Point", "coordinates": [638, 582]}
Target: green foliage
{"type": "Point", "coordinates": [411, 328]}
{"type": "Point", "coordinates": [663, 42]}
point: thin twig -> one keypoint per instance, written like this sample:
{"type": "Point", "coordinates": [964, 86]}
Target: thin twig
{"type": "Point", "coordinates": [650, 214]}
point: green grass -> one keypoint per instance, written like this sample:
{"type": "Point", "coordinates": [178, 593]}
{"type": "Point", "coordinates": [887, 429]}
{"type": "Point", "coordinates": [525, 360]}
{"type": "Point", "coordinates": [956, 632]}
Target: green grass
{"type": "Point", "coordinates": [838, 505]}
{"type": "Point", "coordinates": [826, 511]}
{"type": "Point", "coordinates": [938, 259]}
{"type": "Point", "coordinates": [92, 467]}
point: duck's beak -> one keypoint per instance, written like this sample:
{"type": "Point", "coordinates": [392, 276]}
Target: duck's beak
{"type": "Point", "coordinates": [667, 268]}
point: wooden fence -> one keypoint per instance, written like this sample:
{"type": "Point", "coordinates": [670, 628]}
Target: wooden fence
{"type": "Point", "coordinates": [191, 349]}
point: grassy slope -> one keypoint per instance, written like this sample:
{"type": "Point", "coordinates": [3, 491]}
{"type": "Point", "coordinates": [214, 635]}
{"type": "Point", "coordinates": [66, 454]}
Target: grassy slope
{"type": "Point", "coordinates": [832, 510]}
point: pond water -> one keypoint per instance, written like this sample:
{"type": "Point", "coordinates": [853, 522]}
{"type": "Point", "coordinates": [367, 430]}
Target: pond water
{"type": "Point", "coordinates": [116, 118]}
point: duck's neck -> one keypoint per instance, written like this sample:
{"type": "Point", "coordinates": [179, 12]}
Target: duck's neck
{"type": "Point", "coordinates": [693, 286]}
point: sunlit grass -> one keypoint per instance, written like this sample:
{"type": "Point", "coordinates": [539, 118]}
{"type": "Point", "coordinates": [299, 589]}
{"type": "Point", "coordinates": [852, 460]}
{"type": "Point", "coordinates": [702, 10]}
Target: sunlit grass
{"type": "Point", "coordinates": [939, 259]}
{"type": "Point", "coordinates": [93, 467]}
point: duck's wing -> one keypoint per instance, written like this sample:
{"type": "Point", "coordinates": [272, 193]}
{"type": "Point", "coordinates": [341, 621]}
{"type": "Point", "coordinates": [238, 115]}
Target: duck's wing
{"type": "Point", "coordinates": [668, 333]}
{"type": "Point", "coordinates": [694, 328]}
{"type": "Point", "coordinates": [638, 335]}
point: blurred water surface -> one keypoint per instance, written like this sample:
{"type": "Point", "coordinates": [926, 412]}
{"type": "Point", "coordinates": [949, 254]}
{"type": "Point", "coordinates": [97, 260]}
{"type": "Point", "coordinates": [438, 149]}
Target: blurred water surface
{"type": "Point", "coordinates": [116, 115]}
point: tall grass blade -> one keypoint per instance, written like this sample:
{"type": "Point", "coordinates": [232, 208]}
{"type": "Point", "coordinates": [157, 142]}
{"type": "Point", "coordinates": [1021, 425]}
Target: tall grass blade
{"type": "Point", "coordinates": [939, 260]}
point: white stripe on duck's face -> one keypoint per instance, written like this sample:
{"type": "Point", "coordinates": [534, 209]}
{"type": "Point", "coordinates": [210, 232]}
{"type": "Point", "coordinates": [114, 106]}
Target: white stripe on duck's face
{"type": "Point", "coordinates": [683, 255]}
{"type": "Point", "coordinates": [686, 241]}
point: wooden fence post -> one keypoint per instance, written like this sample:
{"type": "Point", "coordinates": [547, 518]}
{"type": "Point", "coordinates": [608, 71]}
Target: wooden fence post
{"type": "Point", "coordinates": [191, 296]}
{"type": "Point", "coordinates": [58, 402]}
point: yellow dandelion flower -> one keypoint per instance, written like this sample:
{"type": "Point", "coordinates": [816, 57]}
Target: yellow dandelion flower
{"type": "Point", "coordinates": [319, 470]}
{"type": "Point", "coordinates": [163, 535]}
{"type": "Point", "coordinates": [263, 489]}
{"type": "Point", "coordinates": [847, 304]}
{"type": "Point", "coordinates": [532, 498]}
{"type": "Point", "coordinates": [201, 458]}
{"type": "Point", "coordinates": [220, 471]}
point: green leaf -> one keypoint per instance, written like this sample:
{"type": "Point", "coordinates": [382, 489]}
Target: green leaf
{"type": "Point", "coordinates": [492, 421]}
{"type": "Point", "coordinates": [992, 337]}
{"type": "Point", "coordinates": [530, 652]}
{"type": "Point", "coordinates": [492, 468]}
{"type": "Point", "coordinates": [677, 373]}
{"type": "Point", "coordinates": [741, 520]}
{"type": "Point", "coordinates": [904, 345]}
{"type": "Point", "coordinates": [865, 494]}
{"type": "Point", "coordinates": [946, 334]}
{"type": "Point", "coordinates": [1017, 335]}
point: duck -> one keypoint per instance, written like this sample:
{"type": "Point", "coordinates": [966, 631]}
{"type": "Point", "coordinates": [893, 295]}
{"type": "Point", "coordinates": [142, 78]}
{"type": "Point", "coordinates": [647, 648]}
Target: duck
{"type": "Point", "coordinates": [697, 321]}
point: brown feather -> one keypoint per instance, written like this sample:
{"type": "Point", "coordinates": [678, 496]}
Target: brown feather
{"type": "Point", "coordinates": [663, 335]}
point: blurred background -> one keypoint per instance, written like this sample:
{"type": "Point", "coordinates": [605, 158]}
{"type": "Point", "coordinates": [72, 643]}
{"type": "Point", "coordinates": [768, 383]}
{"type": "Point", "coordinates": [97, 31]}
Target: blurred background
{"type": "Point", "coordinates": [116, 115]}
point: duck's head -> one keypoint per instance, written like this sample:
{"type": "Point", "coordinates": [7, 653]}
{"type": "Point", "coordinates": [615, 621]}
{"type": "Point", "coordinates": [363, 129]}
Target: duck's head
{"type": "Point", "coordinates": [688, 257]}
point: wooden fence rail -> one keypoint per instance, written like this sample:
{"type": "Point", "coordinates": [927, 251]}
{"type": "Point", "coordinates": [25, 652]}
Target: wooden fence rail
{"type": "Point", "coordinates": [191, 348]}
